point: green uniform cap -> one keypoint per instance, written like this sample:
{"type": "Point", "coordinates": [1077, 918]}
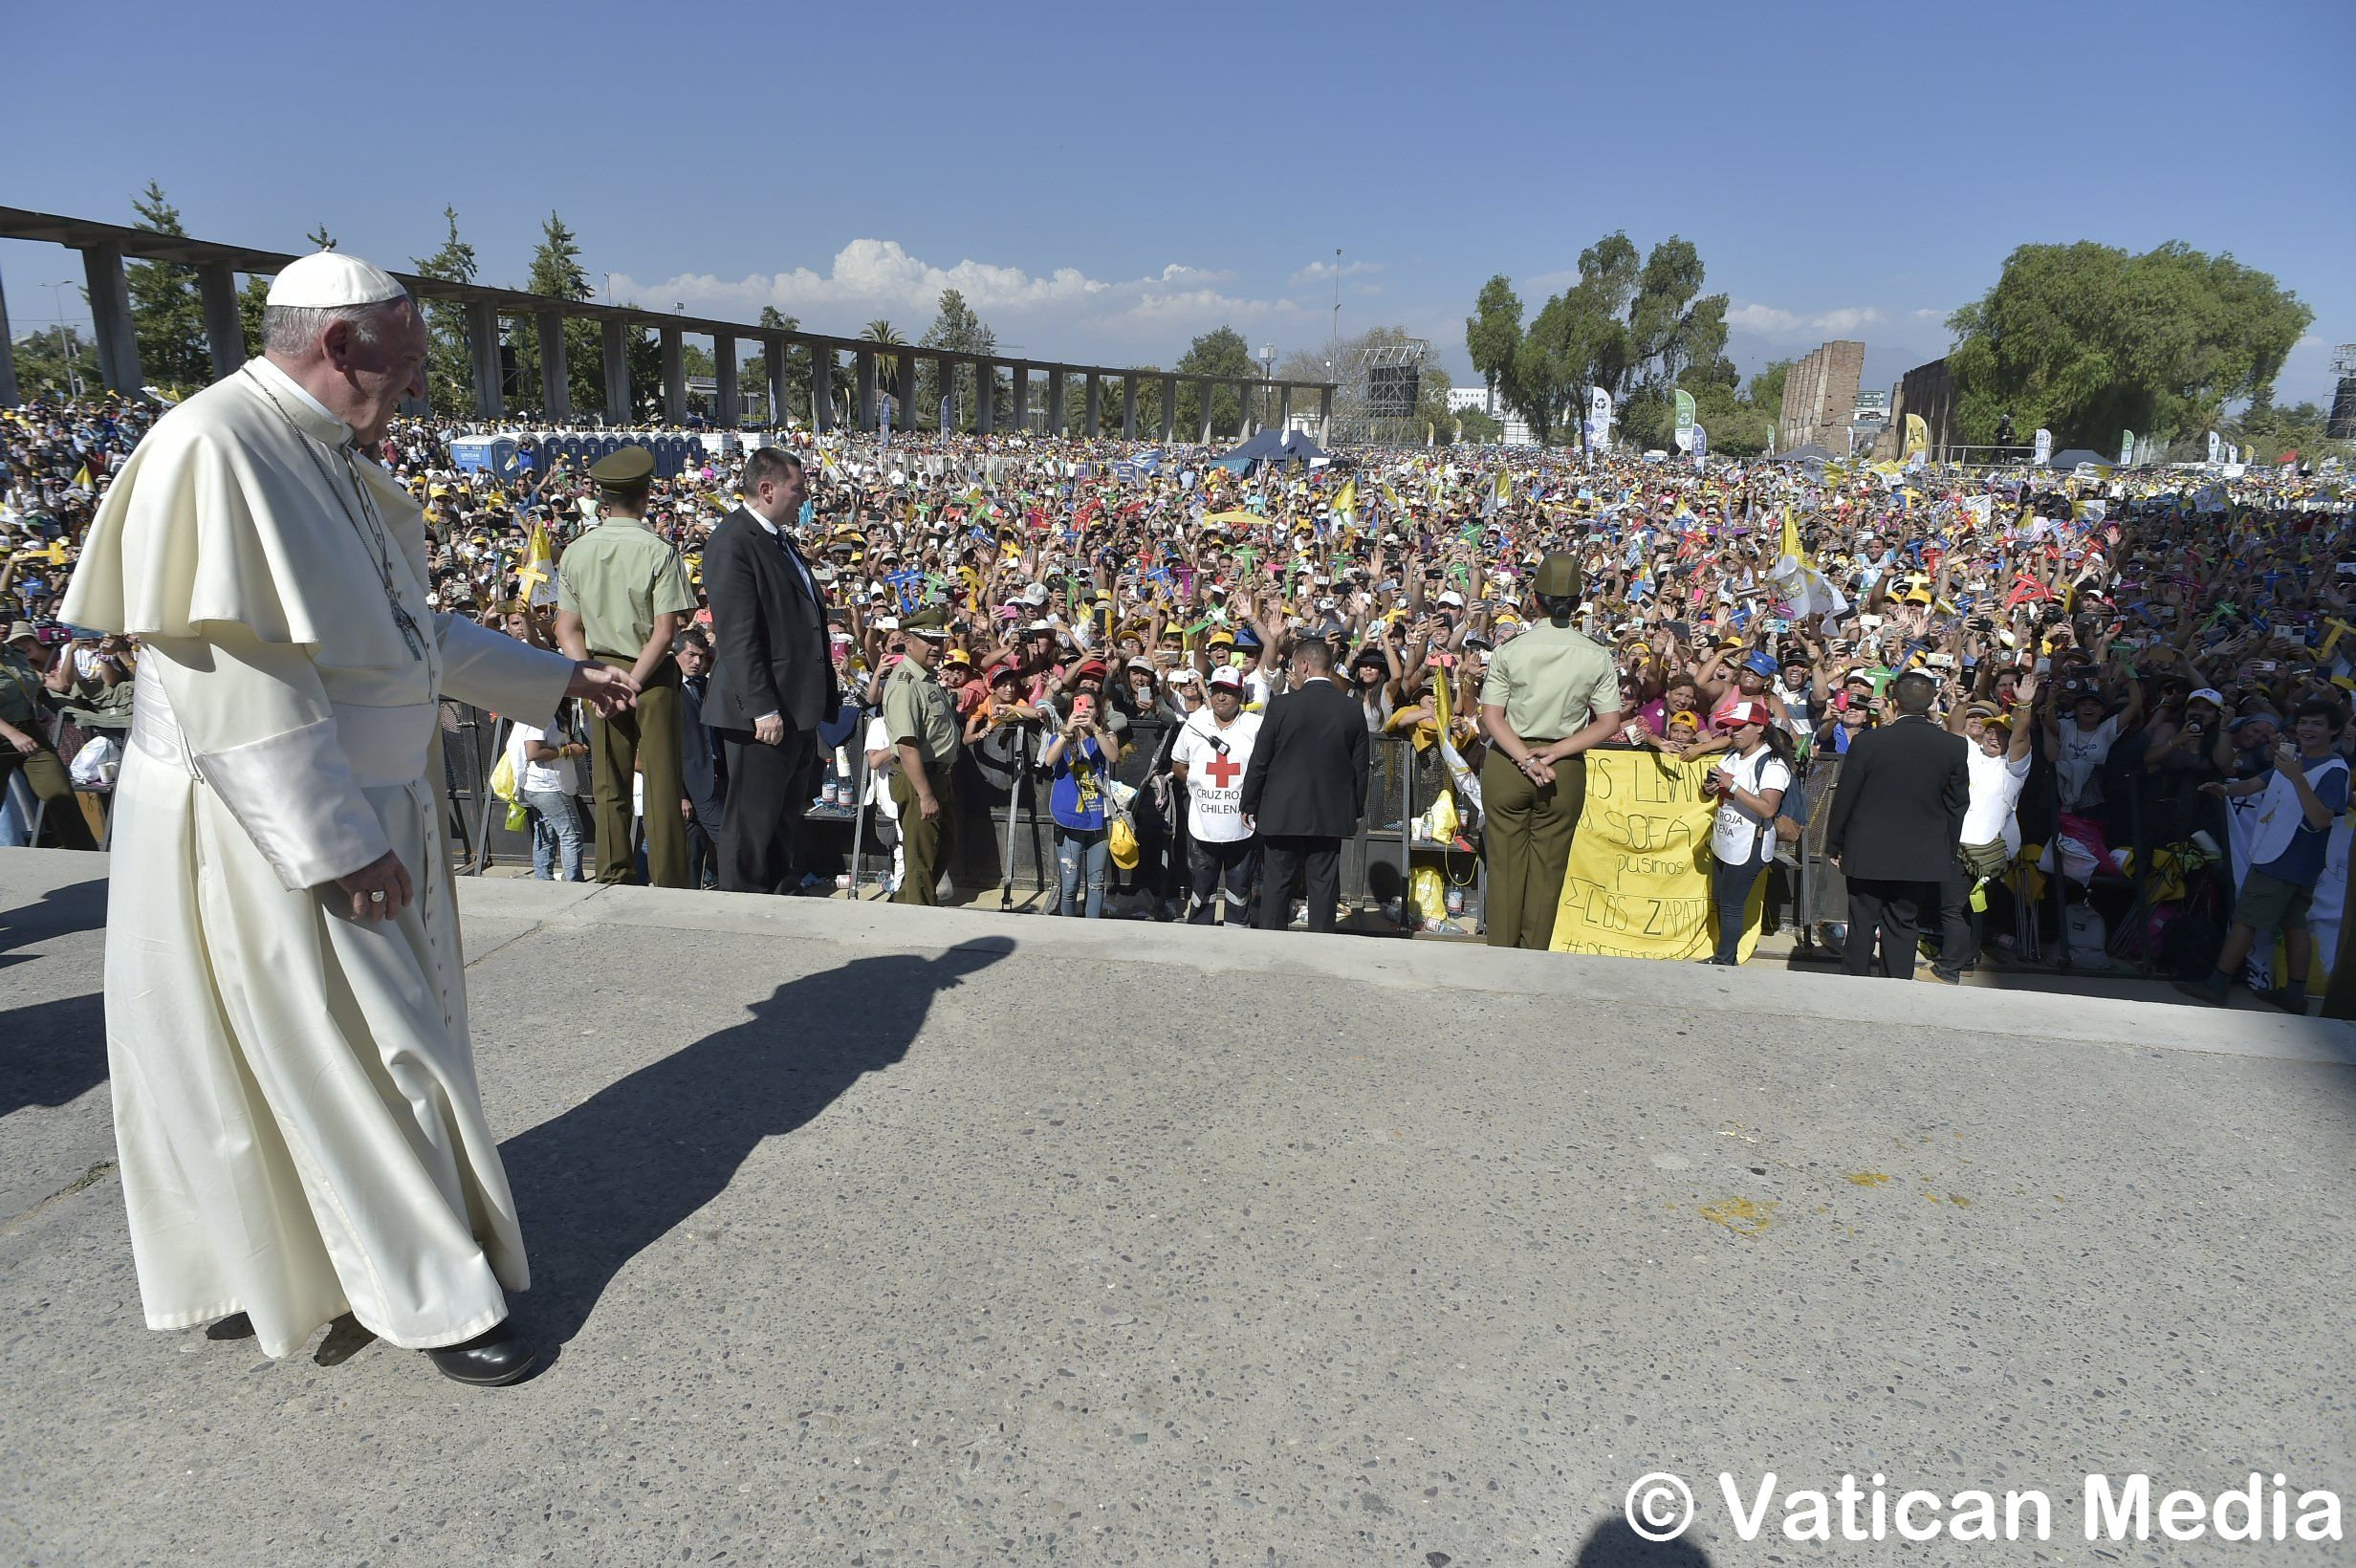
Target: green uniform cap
{"type": "Point", "coordinates": [1558, 577]}
{"type": "Point", "coordinates": [926, 623]}
{"type": "Point", "coordinates": [628, 471]}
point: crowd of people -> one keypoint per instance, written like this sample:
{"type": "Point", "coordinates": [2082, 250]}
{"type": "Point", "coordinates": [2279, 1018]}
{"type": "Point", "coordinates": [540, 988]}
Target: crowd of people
{"type": "Point", "coordinates": [2145, 674]}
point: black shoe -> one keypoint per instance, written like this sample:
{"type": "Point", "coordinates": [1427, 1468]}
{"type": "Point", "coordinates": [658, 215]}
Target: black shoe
{"type": "Point", "coordinates": [490, 1360]}
{"type": "Point", "coordinates": [1946, 977]}
{"type": "Point", "coordinates": [2290, 998]}
{"type": "Point", "coordinates": [2202, 992]}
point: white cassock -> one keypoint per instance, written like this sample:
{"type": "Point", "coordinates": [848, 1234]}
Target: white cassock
{"type": "Point", "coordinates": [295, 1098]}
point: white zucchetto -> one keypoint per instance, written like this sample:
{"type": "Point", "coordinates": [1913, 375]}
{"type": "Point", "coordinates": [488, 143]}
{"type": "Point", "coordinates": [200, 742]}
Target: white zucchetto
{"type": "Point", "coordinates": [329, 280]}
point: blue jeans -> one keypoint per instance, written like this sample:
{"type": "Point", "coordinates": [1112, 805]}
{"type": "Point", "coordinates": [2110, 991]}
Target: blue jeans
{"type": "Point", "coordinates": [1730, 887]}
{"type": "Point", "coordinates": [556, 830]}
{"type": "Point", "coordinates": [1081, 853]}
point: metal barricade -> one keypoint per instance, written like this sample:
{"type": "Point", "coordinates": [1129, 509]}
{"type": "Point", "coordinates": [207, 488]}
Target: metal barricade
{"type": "Point", "coordinates": [1823, 892]}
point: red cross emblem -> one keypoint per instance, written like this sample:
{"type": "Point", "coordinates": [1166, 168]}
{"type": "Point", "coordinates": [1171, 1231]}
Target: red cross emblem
{"type": "Point", "coordinates": [1223, 770]}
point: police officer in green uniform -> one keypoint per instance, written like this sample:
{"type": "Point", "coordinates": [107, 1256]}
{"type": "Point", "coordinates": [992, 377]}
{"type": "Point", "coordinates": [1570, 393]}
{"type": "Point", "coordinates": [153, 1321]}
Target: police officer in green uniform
{"type": "Point", "coordinates": [621, 593]}
{"type": "Point", "coordinates": [1550, 694]}
{"type": "Point", "coordinates": [923, 723]}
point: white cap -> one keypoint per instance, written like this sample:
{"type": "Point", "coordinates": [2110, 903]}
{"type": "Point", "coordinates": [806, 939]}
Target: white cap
{"type": "Point", "coordinates": [329, 280]}
{"type": "Point", "coordinates": [1229, 676]}
{"type": "Point", "coordinates": [1452, 598]}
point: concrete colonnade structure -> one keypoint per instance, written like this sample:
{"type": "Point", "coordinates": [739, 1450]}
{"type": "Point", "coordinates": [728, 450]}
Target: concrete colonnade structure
{"type": "Point", "coordinates": [106, 248]}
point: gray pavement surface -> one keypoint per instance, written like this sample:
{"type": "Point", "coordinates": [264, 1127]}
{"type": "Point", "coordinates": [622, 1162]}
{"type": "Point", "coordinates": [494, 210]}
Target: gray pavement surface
{"type": "Point", "coordinates": [873, 1235]}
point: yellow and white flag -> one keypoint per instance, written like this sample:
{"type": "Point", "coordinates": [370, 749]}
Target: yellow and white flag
{"type": "Point", "coordinates": [537, 575]}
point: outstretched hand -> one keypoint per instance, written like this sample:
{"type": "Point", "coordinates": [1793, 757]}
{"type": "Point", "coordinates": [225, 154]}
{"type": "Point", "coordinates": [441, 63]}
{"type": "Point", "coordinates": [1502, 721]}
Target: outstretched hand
{"type": "Point", "coordinates": [605, 689]}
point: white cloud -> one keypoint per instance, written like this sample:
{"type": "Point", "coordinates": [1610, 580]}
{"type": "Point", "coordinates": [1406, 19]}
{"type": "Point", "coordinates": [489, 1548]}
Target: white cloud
{"type": "Point", "coordinates": [1323, 271]}
{"type": "Point", "coordinates": [1773, 321]}
{"type": "Point", "coordinates": [1930, 313]}
{"type": "Point", "coordinates": [1063, 314]}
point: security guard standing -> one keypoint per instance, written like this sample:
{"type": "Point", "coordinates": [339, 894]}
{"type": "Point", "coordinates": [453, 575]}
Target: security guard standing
{"type": "Point", "coordinates": [620, 597]}
{"type": "Point", "coordinates": [1550, 694]}
{"type": "Point", "coordinates": [923, 723]}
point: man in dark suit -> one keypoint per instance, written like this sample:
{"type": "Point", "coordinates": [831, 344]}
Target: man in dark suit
{"type": "Point", "coordinates": [703, 772]}
{"type": "Point", "coordinates": [772, 682]}
{"type": "Point", "coordinates": [1305, 789]}
{"type": "Point", "coordinates": [1897, 817]}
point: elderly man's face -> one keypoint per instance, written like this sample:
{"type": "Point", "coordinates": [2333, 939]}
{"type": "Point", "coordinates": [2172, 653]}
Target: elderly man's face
{"type": "Point", "coordinates": [381, 368]}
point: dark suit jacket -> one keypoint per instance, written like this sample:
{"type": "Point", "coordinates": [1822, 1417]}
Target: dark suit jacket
{"type": "Point", "coordinates": [1897, 813]}
{"type": "Point", "coordinates": [1307, 778]}
{"type": "Point", "coordinates": [703, 768]}
{"type": "Point", "coordinates": [768, 636]}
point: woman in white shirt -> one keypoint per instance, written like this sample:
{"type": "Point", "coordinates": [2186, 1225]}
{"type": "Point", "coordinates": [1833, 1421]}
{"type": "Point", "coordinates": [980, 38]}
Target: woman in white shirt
{"type": "Point", "coordinates": [1748, 783]}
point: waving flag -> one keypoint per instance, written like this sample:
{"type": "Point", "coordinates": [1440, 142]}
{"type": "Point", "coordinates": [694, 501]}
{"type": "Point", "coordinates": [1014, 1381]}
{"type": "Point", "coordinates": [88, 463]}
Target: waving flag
{"type": "Point", "coordinates": [1345, 499]}
{"type": "Point", "coordinates": [538, 572]}
{"type": "Point", "coordinates": [1796, 579]}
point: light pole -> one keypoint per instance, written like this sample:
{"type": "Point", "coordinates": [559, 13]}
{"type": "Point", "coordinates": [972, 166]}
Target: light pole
{"type": "Point", "coordinates": [65, 348]}
{"type": "Point", "coordinates": [1267, 372]}
{"type": "Point", "coordinates": [609, 287]}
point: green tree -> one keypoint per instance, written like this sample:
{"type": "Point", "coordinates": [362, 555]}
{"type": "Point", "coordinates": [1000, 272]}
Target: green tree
{"type": "Point", "coordinates": [168, 317]}
{"type": "Point", "coordinates": [557, 273]}
{"type": "Point", "coordinates": [50, 362]}
{"type": "Point", "coordinates": [2087, 341]}
{"type": "Point", "coordinates": [754, 375]}
{"type": "Point", "coordinates": [450, 373]}
{"type": "Point", "coordinates": [1492, 334]}
{"type": "Point", "coordinates": [955, 326]}
{"type": "Point", "coordinates": [1636, 325]}
{"type": "Point", "coordinates": [2272, 433]}
{"type": "Point", "coordinates": [1478, 427]}
{"type": "Point", "coordinates": [1220, 352]}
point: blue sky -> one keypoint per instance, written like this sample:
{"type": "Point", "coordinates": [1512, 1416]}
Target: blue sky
{"type": "Point", "coordinates": [1105, 182]}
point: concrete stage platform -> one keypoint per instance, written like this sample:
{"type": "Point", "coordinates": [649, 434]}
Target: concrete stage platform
{"type": "Point", "coordinates": [872, 1236]}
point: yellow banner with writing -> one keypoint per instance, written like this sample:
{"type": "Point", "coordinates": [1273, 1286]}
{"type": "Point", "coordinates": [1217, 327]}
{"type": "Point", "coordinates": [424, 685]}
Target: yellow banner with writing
{"type": "Point", "coordinates": [1638, 882]}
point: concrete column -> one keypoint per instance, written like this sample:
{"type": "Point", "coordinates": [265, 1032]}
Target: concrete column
{"type": "Point", "coordinates": [1094, 405]}
{"type": "Point", "coordinates": [867, 411]}
{"type": "Point", "coordinates": [1169, 409]}
{"type": "Point", "coordinates": [1128, 408]}
{"type": "Point", "coordinates": [7, 356]}
{"type": "Point", "coordinates": [724, 372]}
{"type": "Point", "coordinates": [110, 311]}
{"type": "Point", "coordinates": [1022, 397]}
{"type": "Point", "coordinates": [821, 388]}
{"type": "Point", "coordinates": [674, 376]}
{"type": "Point", "coordinates": [1207, 392]}
{"type": "Point", "coordinates": [945, 385]}
{"type": "Point", "coordinates": [556, 373]}
{"type": "Point", "coordinates": [618, 371]}
{"type": "Point", "coordinates": [985, 398]}
{"type": "Point", "coordinates": [483, 359]}
{"type": "Point", "coordinates": [225, 332]}
{"type": "Point", "coordinates": [1055, 403]}
{"type": "Point", "coordinates": [1325, 414]}
{"type": "Point", "coordinates": [774, 351]}
{"type": "Point", "coordinates": [910, 415]}
{"type": "Point", "coordinates": [1284, 409]}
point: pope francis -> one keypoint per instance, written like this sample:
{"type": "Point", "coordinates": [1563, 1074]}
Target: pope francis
{"type": "Point", "coordinates": [286, 1015]}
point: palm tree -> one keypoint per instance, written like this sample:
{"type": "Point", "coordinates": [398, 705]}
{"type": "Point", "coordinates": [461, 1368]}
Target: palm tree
{"type": "Point", "coordinates": [887, 365]}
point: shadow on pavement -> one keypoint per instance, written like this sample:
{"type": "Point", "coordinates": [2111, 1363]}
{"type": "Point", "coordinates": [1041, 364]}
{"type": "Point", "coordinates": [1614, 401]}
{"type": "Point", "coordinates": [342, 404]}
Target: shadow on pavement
{"type": "Point", "coordinates": [79, 907]}
{"type": "Point", "coordinates": [605, 1180]}
{"type": "Point", "coordinates": [52, 1053]}
{"type": "Point", "coordinates": [1613, 1544]}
